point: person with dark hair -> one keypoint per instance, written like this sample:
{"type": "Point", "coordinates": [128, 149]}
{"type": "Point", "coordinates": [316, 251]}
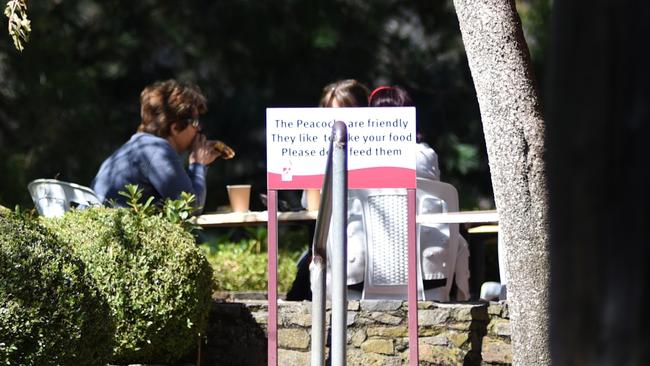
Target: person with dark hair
{"type": "Point", "coordinates": [427, 167]}
{"type": "Point", "coordinates": [390, 96]}
{"type": "Point", "coordinates": [426, 157]}
{"type": "Point", "coordinates": [344, 93]}
{"type": "Point", "coordinates": [339, 94]}
{"type": "Point", "coordinates": [151, 159]}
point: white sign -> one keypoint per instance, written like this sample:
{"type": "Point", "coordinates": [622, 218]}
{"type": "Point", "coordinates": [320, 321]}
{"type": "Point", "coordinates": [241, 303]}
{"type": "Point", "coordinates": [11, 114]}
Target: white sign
{"type": "Point", "coordinates": [381, 146]}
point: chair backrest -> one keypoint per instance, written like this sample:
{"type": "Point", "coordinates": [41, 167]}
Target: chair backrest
{"type": "Point", "coordinates": [54, 197]}
{"type": "Point", "coordinates": [385, 224]}
{"type": "Point", "coordinates": [437, 243]}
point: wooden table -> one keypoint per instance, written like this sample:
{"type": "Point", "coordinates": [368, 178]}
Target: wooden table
{"type": "Point", "coordinates": [461, 217]}
{"type": "Point", "coordinates": [252, 218]}
{"type": "Point", "coordinates": [261, 217]}
{"type": "Point", "coordinates": [484, 229]}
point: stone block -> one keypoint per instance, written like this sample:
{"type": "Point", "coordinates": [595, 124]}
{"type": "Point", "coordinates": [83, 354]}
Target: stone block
{"type": "Point", "coordinates": [381, 305]}
{"type": "Point", "coordinates": [401, 344]}
{"type": "Point", "coordinates": [261, 317]}
{"type": "Point", "coordinates": [461, 325]}
{"type": "Point", "coordinates": [293, 358]}
{"type": "Point", "coordinates": [257, 305]}
{"type": "Point", "coordinates": [357, 337]}
{"type": "Point", "coordinates": [423, 305]}
{"type": "Point", "coordinates": [439, 355]}
{"type": "Point", "coordinates": [248, 295]}
{"type": "Point", "coordinates": [351, 318]}
{"type": "Point", "coordinates": [458, 339]}
{"type": "Point", "coordinates": [388, 332]}
{"type": "Point", "coordinates": [392, 361]}
{"type": "Point", "coordinates": [355, 357]}
{"type": "Point", "coordinates": [505, 313]}
{"type": "Point", "coordinates": [354, 305]}
{"type": "Point", "coordinates": [470, 312]}
{"type": "Point", "coordinates": [302, 320]}
{"type": "Point", "coordinates": [389, 361]}
{"type": "Point", "coordinates": [386, 318]}
{"type": "Point", "coordinates": [462, 314]}
{"type": "Point", "coordinates": [436, 316]}
{"type": "Point", "coordinates": [499, 308]}
{"type": "Point", "coordinates": [500, 327]}
{"type": "Point", "coordinates": [439, 340]}
{"type": "Point", "coordinates": [293, 339]}
{"type": "Point", "coordinates": [495, 350]}
{"type": "Point", "coordinates": [494, 308]}
{"type": "Point", "coordinates": [359, 358]}
{"type": "Point", "coordinates": [430, 331]}
{"type": "Point", "coordinates": [382, 346]}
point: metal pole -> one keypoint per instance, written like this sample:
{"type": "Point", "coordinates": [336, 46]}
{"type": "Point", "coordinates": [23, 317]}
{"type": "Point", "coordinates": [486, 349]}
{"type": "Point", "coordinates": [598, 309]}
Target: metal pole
{"type": "Point", "coordinates": [339, 244]}
{"type": "Point", "coordinates": [317, 268]}
{"type": "Point", "coordinates": [318, 330]}
{"type": "Point", "coordinates": [412, 278]}
{"type": "Point", "coordinates": [272, 326]}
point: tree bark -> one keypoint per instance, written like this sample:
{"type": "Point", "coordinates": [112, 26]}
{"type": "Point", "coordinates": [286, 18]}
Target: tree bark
{"type": "Point", "coordinates": [514, 133]}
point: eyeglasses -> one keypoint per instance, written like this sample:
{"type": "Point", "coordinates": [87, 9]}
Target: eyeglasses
{"type": "Point", "coordinates": [194, 122]}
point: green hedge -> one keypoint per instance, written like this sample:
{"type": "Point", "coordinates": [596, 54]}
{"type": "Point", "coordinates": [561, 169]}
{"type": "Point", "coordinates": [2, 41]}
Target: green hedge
{"type": "Point", "coordinates": [156, 281]}
{"type": "Point", "coordinates": [51, 313]}
{"type": "Point", "coordinates": [239, 267]}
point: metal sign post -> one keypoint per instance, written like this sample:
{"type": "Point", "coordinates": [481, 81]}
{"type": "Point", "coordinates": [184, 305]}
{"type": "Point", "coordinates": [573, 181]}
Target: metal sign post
{"type": "Point", "coordinates": [412, 278]}
{"type": "Point", "coordinates": [272, 238]}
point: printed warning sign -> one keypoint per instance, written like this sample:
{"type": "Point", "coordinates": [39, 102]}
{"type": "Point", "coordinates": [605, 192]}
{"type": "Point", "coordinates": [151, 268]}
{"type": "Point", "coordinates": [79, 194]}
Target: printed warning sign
{"type": "Point", "coordinates": [381, 146]}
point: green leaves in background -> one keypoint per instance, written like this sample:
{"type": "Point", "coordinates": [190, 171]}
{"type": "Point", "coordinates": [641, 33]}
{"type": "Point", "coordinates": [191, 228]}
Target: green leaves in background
{"type": "Point", "coordinates": [240, 267]}
{"type": "Point", "coordinates": [71, 98]}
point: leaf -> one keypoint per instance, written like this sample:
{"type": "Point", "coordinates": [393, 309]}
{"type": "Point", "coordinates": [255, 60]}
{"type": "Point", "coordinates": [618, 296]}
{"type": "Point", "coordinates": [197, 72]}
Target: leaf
{"type": "Point", "coordinates": [19, 26]}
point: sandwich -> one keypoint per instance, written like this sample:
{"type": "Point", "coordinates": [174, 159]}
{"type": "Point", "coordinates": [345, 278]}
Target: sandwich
{"type": "Point", "coordinates": [226, 151]}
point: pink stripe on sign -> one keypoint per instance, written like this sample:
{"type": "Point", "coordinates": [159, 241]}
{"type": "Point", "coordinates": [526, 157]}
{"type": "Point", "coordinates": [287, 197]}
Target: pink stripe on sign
{"type": "Point", "coordinates": [380, 177]}
{"type": "Point", "coordinates": [383, 177]}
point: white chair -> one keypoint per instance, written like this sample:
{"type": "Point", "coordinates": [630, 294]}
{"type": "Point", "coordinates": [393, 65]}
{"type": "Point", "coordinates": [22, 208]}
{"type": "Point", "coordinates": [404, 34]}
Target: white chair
{"type": "Point", "coordinates": [385, 224]}
{"type": "Point", "coordinates": [492, 291]}
{"type": "Point", "coordinates": [54, 197]}
{"type": "Point", "coordinates": [439, 244]}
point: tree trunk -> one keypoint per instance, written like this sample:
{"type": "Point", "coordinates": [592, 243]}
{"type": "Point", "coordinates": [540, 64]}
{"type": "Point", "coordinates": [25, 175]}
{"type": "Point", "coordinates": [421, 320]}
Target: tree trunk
{"type": "Point", "coordinates": [514, 134]}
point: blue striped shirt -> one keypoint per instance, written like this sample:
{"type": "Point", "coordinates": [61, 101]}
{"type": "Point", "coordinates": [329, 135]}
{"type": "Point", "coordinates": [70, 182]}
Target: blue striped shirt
{"type": "Point", "coordinates": [150, 162]}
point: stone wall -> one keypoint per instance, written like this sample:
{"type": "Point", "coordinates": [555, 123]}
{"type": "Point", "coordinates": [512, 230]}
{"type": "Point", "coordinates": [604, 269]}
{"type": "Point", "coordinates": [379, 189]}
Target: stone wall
{"type": "Point", "coordinates": [449, 334]}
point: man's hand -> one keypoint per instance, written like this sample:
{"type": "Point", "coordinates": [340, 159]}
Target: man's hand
{"type": "Point", "coordinates": [203, 151]}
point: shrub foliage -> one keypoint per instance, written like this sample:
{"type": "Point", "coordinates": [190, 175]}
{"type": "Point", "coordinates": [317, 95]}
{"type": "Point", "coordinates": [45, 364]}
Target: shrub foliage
{"type": "Point", "coordinates": [239, 267]}
{"type": "Point", "coordinates": [51, 313]}
{"type": "Point", "coordinates": [155, 279]}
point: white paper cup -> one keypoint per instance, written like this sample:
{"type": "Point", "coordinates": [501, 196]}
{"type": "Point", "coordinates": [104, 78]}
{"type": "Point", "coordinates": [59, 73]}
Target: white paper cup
{"type": "Point", "coordinates": [313, 199]}
{"type": "Point", "coordinates": [239, 196]}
